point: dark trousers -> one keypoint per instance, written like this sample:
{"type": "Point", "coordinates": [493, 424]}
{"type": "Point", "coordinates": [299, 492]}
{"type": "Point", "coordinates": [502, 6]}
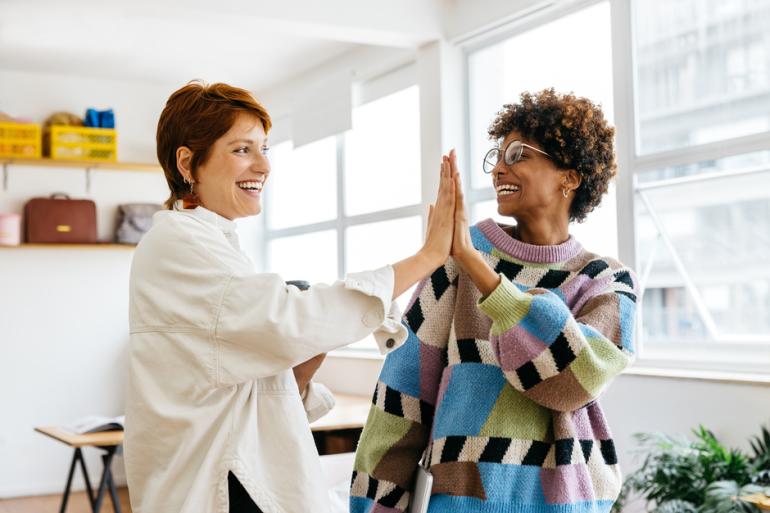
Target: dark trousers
{"type": "Point", "coordinates": [240, 502]}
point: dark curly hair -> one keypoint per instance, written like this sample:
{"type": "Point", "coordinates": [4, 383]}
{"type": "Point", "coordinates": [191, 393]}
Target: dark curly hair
{"type": "Point", "coordinates": [573, 131]}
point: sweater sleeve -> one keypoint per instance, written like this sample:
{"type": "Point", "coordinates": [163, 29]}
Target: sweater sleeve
{"type": "Point", "coordinates": [397, 429]}
{"type": "Point", "coordinates": [560, 360]}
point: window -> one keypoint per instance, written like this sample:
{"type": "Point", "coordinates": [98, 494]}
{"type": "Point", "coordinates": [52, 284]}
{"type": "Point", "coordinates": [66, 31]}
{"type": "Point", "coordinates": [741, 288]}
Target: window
{"type": "Point", "coordinates": [382, 154]}
{"type": "Point", "coordinates": [702, 179]}
{"type": "Point", "coordinates": [301, 178]}
{"type": "Point", "coordinates": [498, 74]}
{"type": "Point", "coordinates": [702, 71]}
{"type": "Point", "coordinates": [350, 202]}
{"type": "Point", "coordinates": [696, 176]}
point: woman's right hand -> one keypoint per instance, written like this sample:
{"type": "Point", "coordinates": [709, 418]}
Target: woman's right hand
{"type": "Point", "coordinates": [438, 238]}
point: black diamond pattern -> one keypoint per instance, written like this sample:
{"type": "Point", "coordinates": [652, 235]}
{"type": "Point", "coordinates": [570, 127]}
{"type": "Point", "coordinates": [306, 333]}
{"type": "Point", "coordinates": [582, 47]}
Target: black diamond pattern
{"type": "Point", "coordinates": [564, 451]}
{"type": "Point", "coordinates": [393, 402]}
{"type": "Point", "coordinates": [624, 277]}
{"type": "Point", "coordinates": [561, 351]}
{"type": "Point", "coordinates": [440, 282]}
{"type": "Point", "coordinates": [495, 449]}
{"type": "Point", "coordinates": [414, 316]}
{"type": "Point", "coordinates": [586, 446]}
{"type": "Point", "coordinates": [552, 279]}
{"type": "Point", "coordinates": [594, 267]}
{"type": "Point", "coordinates": [426, 413]}
{"type": "Point", "coordinates": [528, 375]}
{"type": "Point", "coordinates": [536, 454]}
{"type": "Point", "coordinates": [469, 352]}
{"type": "Point", "coordinates": [452, 448]}
{"type": "Point", "coordinates": [509, 269]}
{"type": "Point", "coordinates": [371, 491]}
{"type": "Point", "coordinates": [608, 452]}
{"type": "Point", "coordinates": [391, 499]}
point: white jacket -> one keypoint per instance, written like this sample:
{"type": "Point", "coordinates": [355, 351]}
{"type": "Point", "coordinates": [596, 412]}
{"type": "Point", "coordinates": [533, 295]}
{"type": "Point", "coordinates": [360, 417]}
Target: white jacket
{"type": "Point", "coordinates": [210, 386]}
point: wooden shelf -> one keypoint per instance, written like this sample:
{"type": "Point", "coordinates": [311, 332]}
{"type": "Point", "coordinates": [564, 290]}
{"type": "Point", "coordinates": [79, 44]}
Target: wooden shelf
{"type": "Point", "coordinates": [53, 245]}
{"type": "Point", "coordinates": [117, 166]}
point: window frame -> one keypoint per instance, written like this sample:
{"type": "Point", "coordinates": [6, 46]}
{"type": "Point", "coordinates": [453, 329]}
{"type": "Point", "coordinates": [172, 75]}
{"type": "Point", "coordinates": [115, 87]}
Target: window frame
{"type": "Point", "coordinates": [706, 355]}
{"type": "Point", "coordinates": [373, 89]}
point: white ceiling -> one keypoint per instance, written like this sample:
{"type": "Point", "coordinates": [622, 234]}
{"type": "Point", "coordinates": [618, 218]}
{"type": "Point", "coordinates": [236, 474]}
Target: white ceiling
{"type": "Point", "coordinates": [253, 43]}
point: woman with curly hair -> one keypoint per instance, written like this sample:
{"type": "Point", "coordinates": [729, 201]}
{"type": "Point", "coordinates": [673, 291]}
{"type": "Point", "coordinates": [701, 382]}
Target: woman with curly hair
{"type": "Point", "coordinates": [513, 340]}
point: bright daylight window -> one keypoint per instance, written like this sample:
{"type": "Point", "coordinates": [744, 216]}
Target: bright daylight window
{"type": "Point", "coordinates": [311, 233]}
{"type": "Point", "coordinates": [702, 189]}
{"type": "Point", "coordinates": [530, 61]}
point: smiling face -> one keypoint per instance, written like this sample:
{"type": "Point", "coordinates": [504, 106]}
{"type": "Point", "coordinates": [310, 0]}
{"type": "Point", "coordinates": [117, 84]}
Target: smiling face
{"type": "Point", "coordinates": [531, 187]}
{"type": "Point", "coordinates": [230, 181]}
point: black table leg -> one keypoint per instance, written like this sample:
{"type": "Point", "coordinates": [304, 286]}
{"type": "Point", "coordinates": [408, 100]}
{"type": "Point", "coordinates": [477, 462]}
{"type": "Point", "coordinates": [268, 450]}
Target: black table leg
{"type": "Point", "coordinates": [66, 495]}
{"type": "Point", "coordinates": [106, 483]}
{"type": "Point", "coordinates": [107, 458]}
{"type": "Point", "coordinates": [87, 480]}
{"type": "Point", "coordinates": [113, 490]}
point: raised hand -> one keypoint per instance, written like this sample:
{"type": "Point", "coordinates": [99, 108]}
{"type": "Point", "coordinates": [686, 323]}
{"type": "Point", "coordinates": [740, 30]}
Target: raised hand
{"type": "Point", "coordinates": [461, 240]}
{"type": "Point", "coordinates": [438, 238]}
{"type": "Point", "coordinates": [467, 257]}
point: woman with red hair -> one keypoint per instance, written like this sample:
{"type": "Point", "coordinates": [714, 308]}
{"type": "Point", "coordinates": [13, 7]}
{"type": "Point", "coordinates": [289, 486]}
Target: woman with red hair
{"type": "Point", "coordinates": [221, 357]}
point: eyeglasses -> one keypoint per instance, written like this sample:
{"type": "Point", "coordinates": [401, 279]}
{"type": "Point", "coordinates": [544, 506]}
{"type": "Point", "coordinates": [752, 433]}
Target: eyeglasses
{"type": "Point", "coordinates": [511, 155]}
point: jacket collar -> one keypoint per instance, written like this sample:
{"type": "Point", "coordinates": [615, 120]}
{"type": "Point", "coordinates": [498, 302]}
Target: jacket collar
{"type": "Point", "coordinates": [224, 224]}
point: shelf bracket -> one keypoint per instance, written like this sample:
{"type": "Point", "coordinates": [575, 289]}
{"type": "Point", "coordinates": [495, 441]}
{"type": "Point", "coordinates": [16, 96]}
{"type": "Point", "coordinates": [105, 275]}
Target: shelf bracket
{"type": "Point", "coordinates": [5, 176]}
{"type": "Point", "coordinates": [88, 180]}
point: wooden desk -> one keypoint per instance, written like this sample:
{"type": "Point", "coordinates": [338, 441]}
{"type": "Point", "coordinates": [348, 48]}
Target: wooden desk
{"type": "Point", "coordinates": [335, 432]}
{"type": "Point", "coordinates": [339, 430]}
{"type": "Point", "coordinates": [105, 438]}
{"type": "Point", "coordinates": [349, 412]}
{"type": "Point", "coordinates": [108, 441]}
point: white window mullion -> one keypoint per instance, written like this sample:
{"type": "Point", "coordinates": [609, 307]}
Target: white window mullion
{"type": "Point", "coordinates": [340, 221]}
{"type": "Point", "coordinates": [625, 127]}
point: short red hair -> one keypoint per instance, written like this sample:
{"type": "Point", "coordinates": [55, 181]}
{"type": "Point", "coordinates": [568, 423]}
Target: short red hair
{"type": "Point", "coordinates": [196, 116]}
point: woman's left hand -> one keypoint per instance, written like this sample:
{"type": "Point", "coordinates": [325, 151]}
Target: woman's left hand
{"type": "Point", "coordinates": [305, 371]}
{"type": "Point", "coordinates": [462, 246]}
{"type": "Point", "coordinates": [468, 257]}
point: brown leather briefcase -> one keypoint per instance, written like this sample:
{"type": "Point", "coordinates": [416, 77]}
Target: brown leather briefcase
{"type": "Point", "coordinates": [60, 219]}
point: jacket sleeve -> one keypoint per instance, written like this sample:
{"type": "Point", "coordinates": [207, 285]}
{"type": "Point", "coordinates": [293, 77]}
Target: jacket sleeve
{"type": "Point", "coordinates": [263, 327]}
{"type": "Point", "coordinates": [401, 415]}
{"type": "Point", "coordinates": [318, 401]}
{"type": "Point", "coordinates": [558, 360]}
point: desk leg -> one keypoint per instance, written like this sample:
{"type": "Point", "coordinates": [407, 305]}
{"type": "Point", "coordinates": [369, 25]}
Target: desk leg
{"type": "Point", "coordinates": [113, 491]}
{"type": "Point", "coordinates": [77, 456]}
{"type": "Point", "coordinates": [107, 458]}
{"type": "Point", "coordinates": [87, 480]}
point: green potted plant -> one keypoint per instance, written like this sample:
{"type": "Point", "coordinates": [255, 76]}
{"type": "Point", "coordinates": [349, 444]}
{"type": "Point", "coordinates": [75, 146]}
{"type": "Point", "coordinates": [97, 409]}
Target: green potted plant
{"type": "Point", "coordinates": [700, 475]}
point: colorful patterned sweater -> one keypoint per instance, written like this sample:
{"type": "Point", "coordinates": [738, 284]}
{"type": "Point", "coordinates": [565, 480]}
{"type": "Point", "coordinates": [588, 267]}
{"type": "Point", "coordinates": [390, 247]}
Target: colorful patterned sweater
{"type": "Point", "coordinates": [502, 390]}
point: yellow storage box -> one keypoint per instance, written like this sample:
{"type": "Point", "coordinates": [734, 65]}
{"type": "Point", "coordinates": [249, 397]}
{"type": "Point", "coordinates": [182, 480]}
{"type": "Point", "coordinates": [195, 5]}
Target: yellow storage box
{"type": "Point", "coordinates": [20, 140]}
{"type": "Point", "coordinates": [84, 143]}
